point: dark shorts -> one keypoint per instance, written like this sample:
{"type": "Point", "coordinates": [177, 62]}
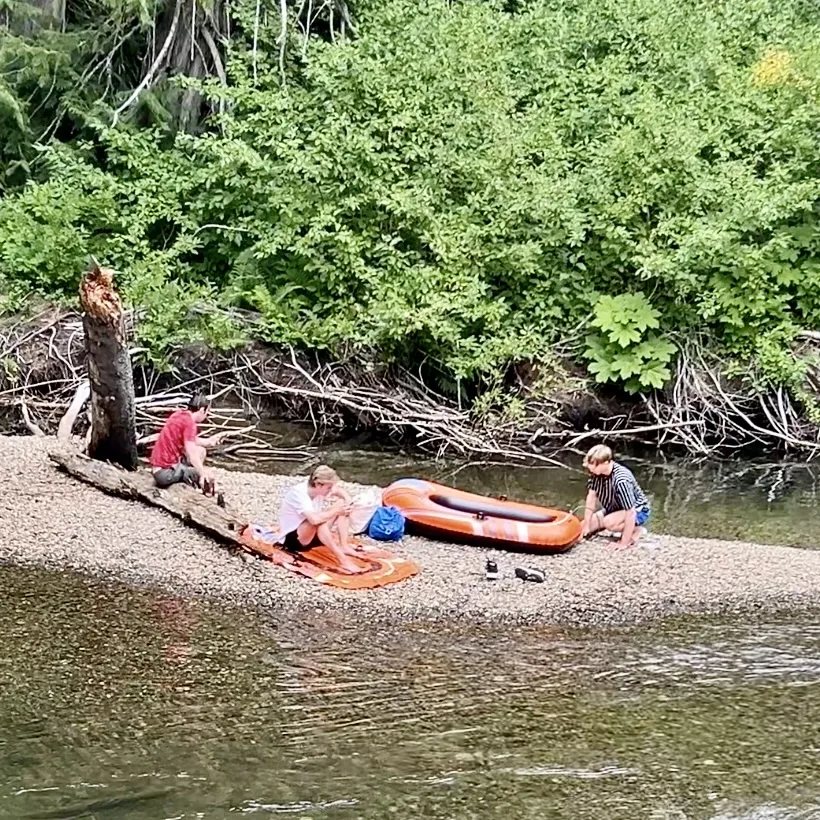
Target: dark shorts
{"type": "Point", "coordinates": [181, 473]}
{"type": "Point", "coordinates": [293, 543]}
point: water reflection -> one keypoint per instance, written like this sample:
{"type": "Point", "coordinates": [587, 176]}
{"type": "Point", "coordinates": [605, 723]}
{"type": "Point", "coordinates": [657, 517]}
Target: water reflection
{"type": "Point", "coordinates": [123, 704]}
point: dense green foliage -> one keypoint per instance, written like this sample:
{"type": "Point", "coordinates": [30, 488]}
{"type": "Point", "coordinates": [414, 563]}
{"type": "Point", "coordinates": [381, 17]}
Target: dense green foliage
{"type": "Point", "coordinates": [464, 184]}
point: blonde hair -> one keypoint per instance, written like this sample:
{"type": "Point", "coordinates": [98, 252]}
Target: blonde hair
{"type": "Point", "coordinates": [322, 474]}
{"type": "Point", "coordinates": [599, 454]}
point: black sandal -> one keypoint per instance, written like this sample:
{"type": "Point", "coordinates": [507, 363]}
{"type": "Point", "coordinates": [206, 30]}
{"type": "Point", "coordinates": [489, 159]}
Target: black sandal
{"type": "Point", "coordinates": [537, 576]}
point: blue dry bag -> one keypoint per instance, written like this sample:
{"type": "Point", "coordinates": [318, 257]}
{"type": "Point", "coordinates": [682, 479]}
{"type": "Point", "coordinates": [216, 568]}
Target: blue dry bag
{"type": "Point", "coordinates": [387, 524]}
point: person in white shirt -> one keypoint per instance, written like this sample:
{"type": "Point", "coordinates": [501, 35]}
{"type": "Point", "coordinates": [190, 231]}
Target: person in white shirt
{"type": "Point", "coordinates": [316, 511]}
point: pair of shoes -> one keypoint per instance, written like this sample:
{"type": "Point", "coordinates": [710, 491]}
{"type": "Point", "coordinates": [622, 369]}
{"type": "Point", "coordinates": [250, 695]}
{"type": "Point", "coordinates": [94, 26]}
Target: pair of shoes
{"type": "Point", "coordinates": [491, 572]}
{"type": "Point", "coordinates": [530, 574]}
{"type": "Point", "coordinates": [208, 486]}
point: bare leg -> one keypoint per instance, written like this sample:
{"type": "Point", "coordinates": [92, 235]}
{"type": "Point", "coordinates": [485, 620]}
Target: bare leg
{"type": "Point", "coordinates": [640, 531]}
{"type": "Point", "coordinates": [616, 521]}
{"type": "Point", "coordinates": [343, 531]}
{"type": "Point", "coordinates": [306, 532]}
{"type": "Point", "coordinates": [327, 537]}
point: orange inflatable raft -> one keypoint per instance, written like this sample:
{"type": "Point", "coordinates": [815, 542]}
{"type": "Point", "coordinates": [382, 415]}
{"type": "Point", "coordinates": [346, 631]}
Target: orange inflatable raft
{"type": "Point", "coordinates": [453, 515]}
{"type": "Point", "coordinates": [377, 567]}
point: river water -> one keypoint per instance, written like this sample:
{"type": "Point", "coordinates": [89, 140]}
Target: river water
{"type": "Point", "coordinates": [131, 705]}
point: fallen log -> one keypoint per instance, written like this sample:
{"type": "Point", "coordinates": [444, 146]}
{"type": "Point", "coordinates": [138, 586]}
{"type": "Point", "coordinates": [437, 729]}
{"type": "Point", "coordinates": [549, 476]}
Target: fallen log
{"type": "Point", "coordinates": [375, 567]}
{"type": "Point", "coordinates": [192, 507]}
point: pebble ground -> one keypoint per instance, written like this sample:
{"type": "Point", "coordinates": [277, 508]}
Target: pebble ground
{"type": "Point", "coordinates": [48, 519]}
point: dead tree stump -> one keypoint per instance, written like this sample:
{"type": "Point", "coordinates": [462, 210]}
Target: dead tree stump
{"type": "Point", "coordinates": [113, 422]}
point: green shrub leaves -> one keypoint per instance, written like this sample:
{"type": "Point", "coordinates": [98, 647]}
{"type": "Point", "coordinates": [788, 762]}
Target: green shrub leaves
{"type": "Point", "coordinates": [465, 186]}
{"type": "Point", "coordinates": [625, 351]}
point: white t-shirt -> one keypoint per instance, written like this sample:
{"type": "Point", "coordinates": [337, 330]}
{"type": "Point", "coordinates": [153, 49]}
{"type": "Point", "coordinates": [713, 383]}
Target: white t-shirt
{"type": "Point", "coordinates": [295, 506]}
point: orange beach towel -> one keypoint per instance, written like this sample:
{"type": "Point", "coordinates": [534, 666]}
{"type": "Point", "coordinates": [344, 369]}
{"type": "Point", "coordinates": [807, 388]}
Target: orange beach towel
{"type": "Point", "coordinates": [378, 567]}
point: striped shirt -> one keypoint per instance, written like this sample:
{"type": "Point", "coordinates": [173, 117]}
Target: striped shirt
{"type": "Point", "coordinates": [618, 490]}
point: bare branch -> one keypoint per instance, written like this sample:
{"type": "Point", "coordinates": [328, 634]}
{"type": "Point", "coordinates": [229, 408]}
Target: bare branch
{"type": "Point", "coordinates": [77, 403]}
{"type": "Point", "coordinates": [256, 39]}
{"type": "Point", "coordinates": [32, 426]}
{"type": "Point", "coordinates": [148, 79]}
{"type": "Point", "coordinates": [283, 39]}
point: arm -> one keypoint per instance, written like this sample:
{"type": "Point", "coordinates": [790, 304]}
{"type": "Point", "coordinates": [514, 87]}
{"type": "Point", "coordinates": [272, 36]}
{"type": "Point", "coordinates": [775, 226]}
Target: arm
{"type": "Point", "coordinates": [591, 508]}
{"type": "Point", "coordinates": [193, 451]}
{"type": "Point", "coordinates": [211, 441]}
{"type": "Point", "coordinates": [317, 517]}
{"type": "Point", "coordinates": [625, 491]}
{"type": "Point", "coordinates": [338, 492]}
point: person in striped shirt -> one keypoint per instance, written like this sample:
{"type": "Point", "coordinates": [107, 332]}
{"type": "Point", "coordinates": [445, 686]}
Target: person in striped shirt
{"type": "Point", "coordinates": [615, 501]}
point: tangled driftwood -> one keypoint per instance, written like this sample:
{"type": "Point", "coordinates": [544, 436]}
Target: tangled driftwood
{"type": "Point", "coordinates": [47, 388]}
{"type": "Point", "coordinates": [706, 413]}
{"type": "Point", "coordinates": [702, 412]}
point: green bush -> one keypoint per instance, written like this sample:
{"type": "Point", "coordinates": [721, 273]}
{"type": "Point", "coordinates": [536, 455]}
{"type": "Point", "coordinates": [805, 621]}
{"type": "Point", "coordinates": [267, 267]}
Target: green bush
{"type": "Point", "coordinates": [625, 349]}
{"type": "Point", "coordinates": [462, 185]}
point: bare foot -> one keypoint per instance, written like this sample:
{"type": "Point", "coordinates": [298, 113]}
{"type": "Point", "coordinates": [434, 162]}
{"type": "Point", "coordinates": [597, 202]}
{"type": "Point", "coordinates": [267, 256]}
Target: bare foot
{"type": "Point", "coordinates": [639, 533]}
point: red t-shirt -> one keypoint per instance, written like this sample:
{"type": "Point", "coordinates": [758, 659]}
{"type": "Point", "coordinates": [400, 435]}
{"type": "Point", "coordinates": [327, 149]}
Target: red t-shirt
{"type": "Point", "coordinates": [169, 448]}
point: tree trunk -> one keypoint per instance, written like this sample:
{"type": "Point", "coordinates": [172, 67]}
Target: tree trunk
{"type": "Point", "coordinates": [113, 422]}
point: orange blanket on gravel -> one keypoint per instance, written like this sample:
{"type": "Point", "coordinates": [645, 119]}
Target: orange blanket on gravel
{"type": "Point", "coordinates": [378, 567]}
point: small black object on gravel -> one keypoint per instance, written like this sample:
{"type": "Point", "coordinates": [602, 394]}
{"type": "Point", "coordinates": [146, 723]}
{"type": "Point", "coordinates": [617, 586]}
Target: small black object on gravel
{"type": "Point", "coordinates": [530, 574]}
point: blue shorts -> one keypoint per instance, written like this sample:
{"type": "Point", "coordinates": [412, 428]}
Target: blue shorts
{"type": "Point", "coordinates": [642, 516]}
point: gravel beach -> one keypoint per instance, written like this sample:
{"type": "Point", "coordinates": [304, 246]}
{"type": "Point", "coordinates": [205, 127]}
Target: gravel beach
{"type": "Point", "coordinates": [50, 520]}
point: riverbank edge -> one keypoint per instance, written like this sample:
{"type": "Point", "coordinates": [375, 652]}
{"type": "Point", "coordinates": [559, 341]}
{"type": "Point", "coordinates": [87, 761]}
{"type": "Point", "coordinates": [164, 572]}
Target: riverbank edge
{"type": "Point", "coordinates": [350, 613]}
{"type": "Point", "coordinates": [52, 521]}
{"type": "Point", "coordinates": [538, 412]}
{"type": "Point", "coordinates": [338, 394]}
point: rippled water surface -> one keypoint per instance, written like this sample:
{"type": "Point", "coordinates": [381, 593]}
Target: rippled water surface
{"type": "Point", "coordinates": [124, 704]}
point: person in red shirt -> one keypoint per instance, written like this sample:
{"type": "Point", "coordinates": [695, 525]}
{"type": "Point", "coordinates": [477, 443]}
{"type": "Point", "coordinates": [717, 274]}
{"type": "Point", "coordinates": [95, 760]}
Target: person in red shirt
{"type": "Point", "coordinates": [179, 453]}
